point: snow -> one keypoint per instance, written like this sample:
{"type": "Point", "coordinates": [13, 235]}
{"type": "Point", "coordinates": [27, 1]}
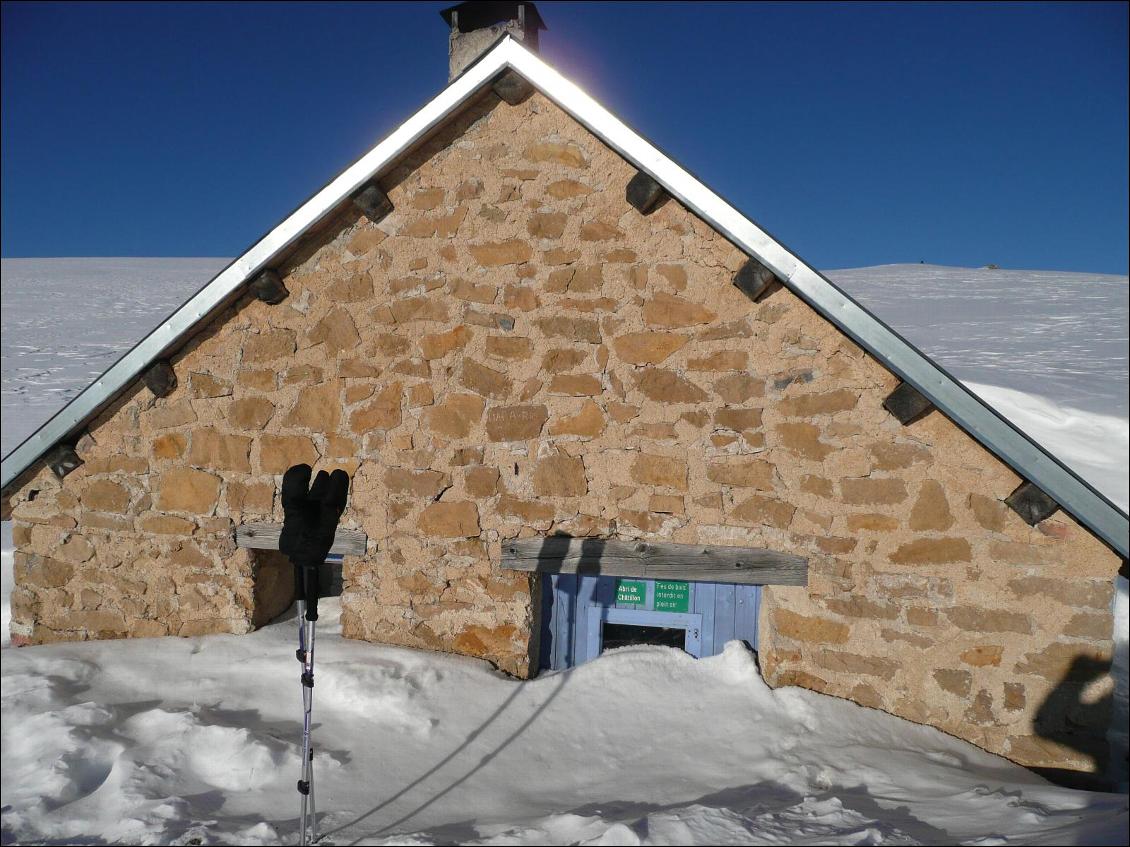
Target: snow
{"type": "Point", "coordinates": [166, 740]}
{"type": "Point", "coordinates": [195, 740]}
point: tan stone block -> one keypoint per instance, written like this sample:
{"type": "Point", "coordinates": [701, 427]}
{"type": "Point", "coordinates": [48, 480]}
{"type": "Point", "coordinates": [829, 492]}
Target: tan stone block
{"type": "Point", "coordinates": [817, 485]}
{"type": "Point", "coordinates": [743, 473]}
{"type": "Point", "coordinates": [989, 512]}
{"type": "Point", "coordinates": [600, 231]}
{"type": "Point", "coordinates": [481, 481]}
{"type": "Point", "coordinates": [918, 641]}
{"type": "Point", "coordinates": [455, 415]}
{"type": "Point", "coordinates": [465, 290]}
{"type": "Point", "coordinates": [820, 403]}
{"type": "Point", "coordinates": [556, 361]}
{"type": "Point", "coordinates": [413, 367]}
{"type": "Point", "coordinates": [336, 330]}
{"type": "Point", "coordinates": [515, 423]}
{"type": "Point", "coordinates": [249, 498]}
{"type": "Point", "coordinates": [661, 471]}
{"type": "Point", "coordinates": [764, 510]}
{"type": "Point", "coordinates": [560, 476]}
{"type": "Point", "coordinates": [426, 199]}
{"type": "Point", "coordinates": [874, 491]}
{"type": "Point", "coordinates": [277, 453]}
{"type": "Point", "coordinates": [722, 360]}
{"type": "Point", "coordinates": [1015, 553]}
{"type": "Point", "coordinates": [258, 380]}
{"type": "Point", "coordinates": [485, 381]}
{"type": "Point", "coordinates": [208, 626]}
{"type": "Point", "coordinates": [170, 415]}
{"type": "Point", "coordinates": [102, 520]}
{"type": "Point", "coordinates": [667, 504]}
{"type": "Point", "coordinates": [508, 347]}
{"type": "Point", "coordinates": [664, 386]}
{"type": "Point", "coordinates": [418, 483]}
{"type": "Point", "coordinates": [167, 525]}
{"type": "Point", "coordinates": [268, 346]}
{"type": "Point", "coordinates": [1065, 662]}
{"type": "Point", "coordinates": [890, 456]}
{"type": "Point", "coordinates": [1014, 696]}
{"type": "Point", "coordinates": [588, 422]}
{"type": "Point", "coordinates": [931, 509]}
{"type": "Point", "coordinates": [954, 681]}
{"type": "Point", "coordinates": [676, 275]}
{"type": "Point", "coordinates": [576, 279]}
{"type": "Point", "coordinates": [383, 413]}
{"type": "Point", "coordinates": [213, 449]}
{"type": "Point", "coordinates": [250, 413]}
{"type": "Point", "coordinates": [528, 512]}
{"type": "Point", "coordinates": [438, 345]}
{"type": "Point", "coordinates": [575, 385]}
{"type": "Point", "coordinates": [104, 495]}
{"type": "Point", "coordinates": [853, 663]}
{"type": "Point", "coordinates": [809, 628]}
{"type": "Point", "coordinates": [205, 385]}
{"type": "Point", "coordinates": [872, 522]}
{"type": "Point", "coordinates": [673, 312]}
{"type": "Point", "coordinates": [726, 331]}
{"type": "Point", "coordinates": [983, 655]}
{"type": "Point", "coordinates": [921, 617]}
{"type": "Point", "coordinates": [367, 239]}
{"type": "Point", "coordinates": [977, 619]}
{"type": "Point", "coordinates": [420, 395]}
{"type": "Point", "coordinates": [496, 254]}
{"type": "Point", "coordinates": [101, 624]}
{"type": "Point", "coordinates": [458, 519]}
{"type": "Point", "coordinates": [567, 154]}
{"type": "Point", "coordinates": [643, 521]}
{"type": "Point", "coordinates": [1091, 593]}
{"type": "Point", "coordinates": [647, 348]}
{"type": "Point", "coordinates": [520, 297]}
{"type": "Point", "coordinates": [1097, 626]}
{"type": "Point", "coordinates": [804, 440]}
{"type": "Point", "coordinates": [583, 330]}
{"type": "Point", "coordinates": [170, 445]}
{"type": "Point", "coordinates": [184, 489]}
{"type": "Point", "coordinates": [861, 607]}
{"type": "Point", "coordinates": [351, 289]}
{"type": "Point", "coordinates": [357, 392]}
{"type": "Point", "coordinates": [547, 225]}
{"type": "Point", "coordinates": [302, 373]}
{"type": "Point", "coordinates": [42, 571]}
{"type": "Point", "coordinates": [739, 388]}
{"type": "Point", "coordinates": [932, 551]}
{"type": "Point", "coordinates": [565, 189]}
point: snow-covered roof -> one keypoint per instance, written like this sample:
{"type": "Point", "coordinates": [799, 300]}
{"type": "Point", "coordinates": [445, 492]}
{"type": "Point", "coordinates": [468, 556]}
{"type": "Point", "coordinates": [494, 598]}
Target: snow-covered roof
{"type": "Point", "coordinates": [1023, 454]}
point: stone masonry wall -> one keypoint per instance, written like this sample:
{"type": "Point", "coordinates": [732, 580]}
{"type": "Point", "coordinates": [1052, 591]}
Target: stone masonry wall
{"type": "Point", "coordinates": [516, 351]}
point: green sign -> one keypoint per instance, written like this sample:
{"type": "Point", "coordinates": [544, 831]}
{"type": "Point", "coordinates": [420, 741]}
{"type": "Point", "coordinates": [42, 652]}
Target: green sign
{"type": "Point", "coordinates": [672, 596]}
{"type": "Point", "coordinates": [631, 592]}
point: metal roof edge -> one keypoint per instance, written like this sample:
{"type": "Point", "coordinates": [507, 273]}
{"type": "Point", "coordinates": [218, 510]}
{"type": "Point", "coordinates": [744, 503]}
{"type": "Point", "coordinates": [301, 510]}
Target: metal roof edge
{"type": "Point", "coordinates": [978, 419]}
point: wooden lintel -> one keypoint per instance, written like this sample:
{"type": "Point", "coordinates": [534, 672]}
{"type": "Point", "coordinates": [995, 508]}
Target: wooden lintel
{"type": "Point", "coordinates": [1031, 503]}
{"type": "Point", "coordinates": [265, 536]}
{"type": "Point", "coordinates": [907, 403]}
{"type": "Point", "coordinates": [373, 202]}
{"type": "Point", "coordinates": [268, 287]}
{"type": "Point", "coordinates": [161, 379]}
{"type": "Point", "coordinates": [644, 193]}
{"type": "Point", "coordinates": [753, 279]}
{"type": "Point", "coordinates": [512, 88]}
{"type": "Point", "coordinates": [654, 560]}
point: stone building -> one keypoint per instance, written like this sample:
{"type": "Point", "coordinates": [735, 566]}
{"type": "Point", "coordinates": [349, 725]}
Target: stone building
{"type": "Point", "coordinates": [515, 319]}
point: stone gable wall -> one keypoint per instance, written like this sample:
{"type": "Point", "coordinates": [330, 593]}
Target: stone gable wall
{"type": "Point", "coordinates": [516, 351]}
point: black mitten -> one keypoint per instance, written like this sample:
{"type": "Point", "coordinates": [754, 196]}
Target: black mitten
{"type": "Point", "coordinates": [309, 523]}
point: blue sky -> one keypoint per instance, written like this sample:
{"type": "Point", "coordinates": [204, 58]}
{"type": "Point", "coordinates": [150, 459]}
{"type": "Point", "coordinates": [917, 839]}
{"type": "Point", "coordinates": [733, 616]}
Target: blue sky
{"type": "Point", "coordinates": [858, 134]}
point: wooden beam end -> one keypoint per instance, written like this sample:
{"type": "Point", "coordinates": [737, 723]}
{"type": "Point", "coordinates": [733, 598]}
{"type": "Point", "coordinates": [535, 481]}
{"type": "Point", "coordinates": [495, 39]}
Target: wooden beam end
{"type": "Point", "coordinates": [161, 379]}
{"type": "Point", "coordinates": [1031, 503]}
{"type": "Point", "coordinates": [907, 403]}
{"type": "Point", "coordinates": [512, 88]}
{"type": "Point", "coordinates": [268, 287]}
{"type": "Point", "coordinates": [753, 279]}
{"type": "Point", "coordinates": [644, 193]}
{"type": "Point", "coordinates": [373, 202]}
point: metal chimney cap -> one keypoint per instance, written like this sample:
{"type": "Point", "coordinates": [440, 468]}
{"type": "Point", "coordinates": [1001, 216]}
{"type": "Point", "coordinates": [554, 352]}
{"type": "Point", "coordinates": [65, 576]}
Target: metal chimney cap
{"type": "Point", "coordinates": [478, 14]}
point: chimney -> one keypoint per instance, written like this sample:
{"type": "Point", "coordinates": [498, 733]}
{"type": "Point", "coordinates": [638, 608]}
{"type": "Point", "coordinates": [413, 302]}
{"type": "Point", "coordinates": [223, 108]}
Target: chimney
{"type": "Point", "coordinates": [477, 24]}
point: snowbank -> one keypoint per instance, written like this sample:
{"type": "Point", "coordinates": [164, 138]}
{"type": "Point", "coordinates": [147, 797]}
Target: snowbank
{"type": "Point", "coordinates": [167, 740]}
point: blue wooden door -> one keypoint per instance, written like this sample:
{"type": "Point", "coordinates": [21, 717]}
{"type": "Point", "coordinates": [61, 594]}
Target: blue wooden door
{"type": "Point", "coordinates": [575, 610]}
